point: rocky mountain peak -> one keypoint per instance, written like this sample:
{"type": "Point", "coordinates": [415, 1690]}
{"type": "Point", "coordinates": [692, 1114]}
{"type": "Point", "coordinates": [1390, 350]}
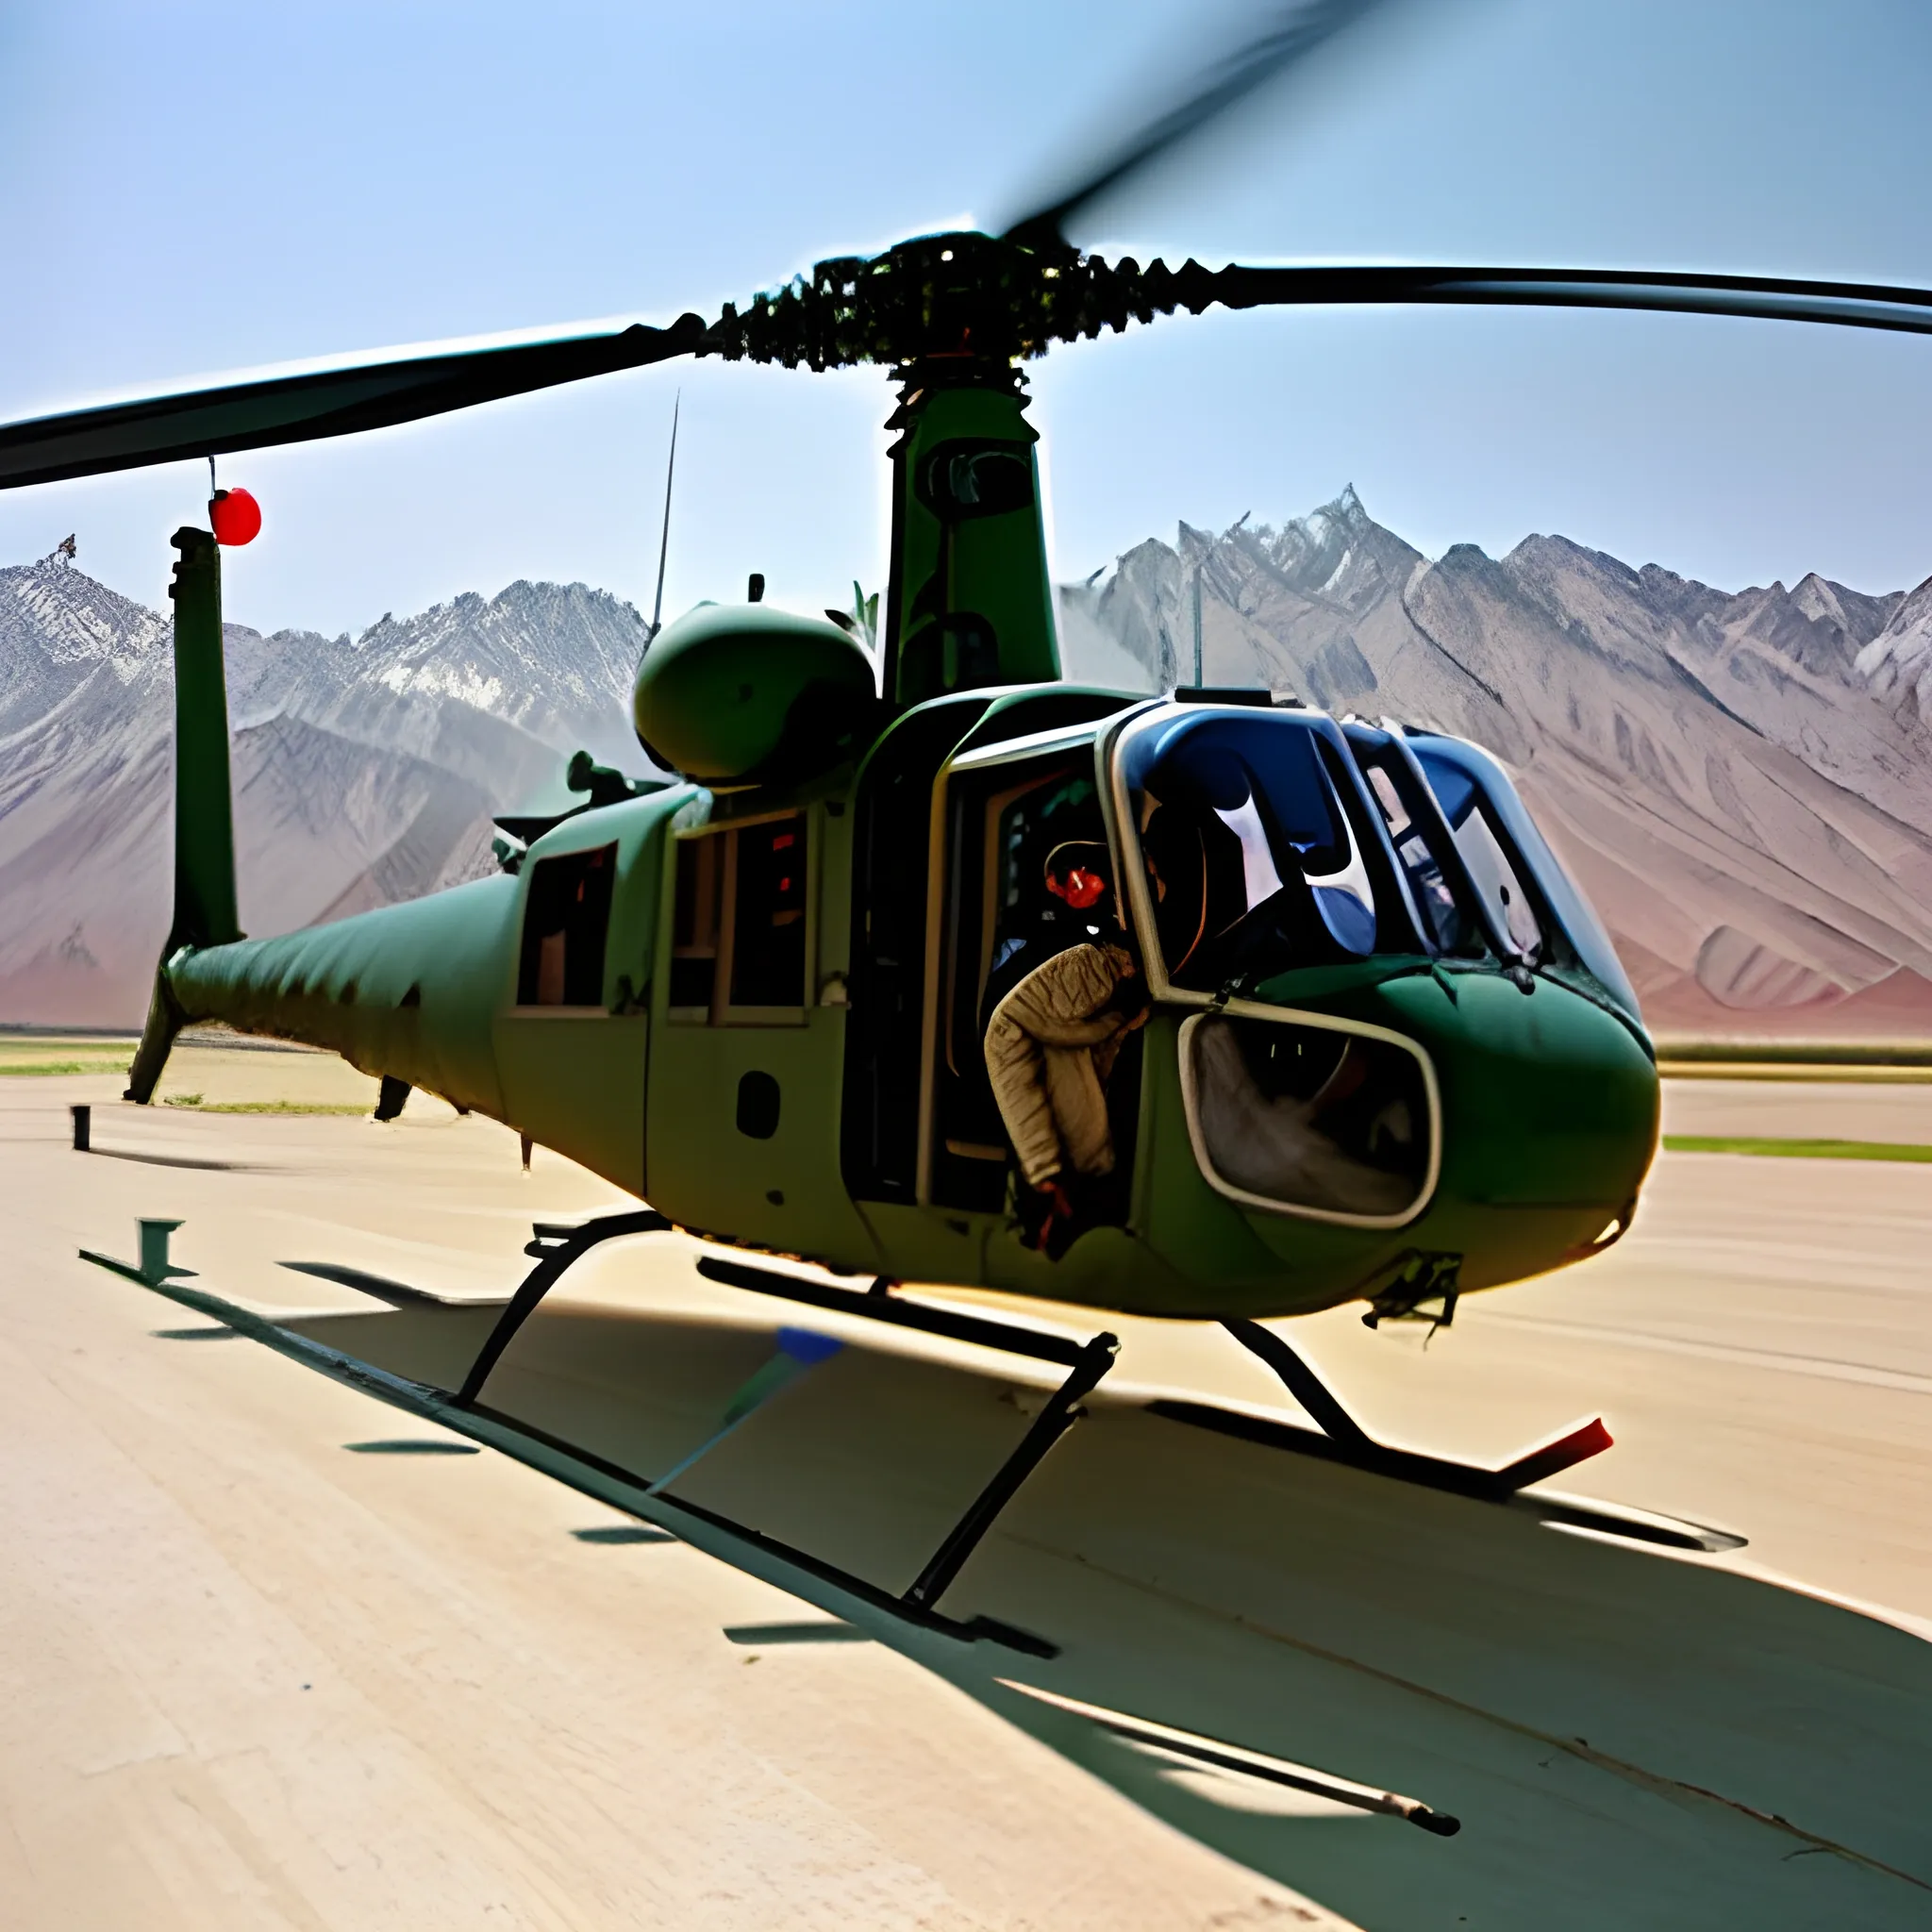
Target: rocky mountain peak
{"type": "Point", "coordinates": [1337, 556]}
{"type": "Point", "coordinates": [60, 614]}
{"type": "Point", "coordinates": [530, 646]}
{"type": "Point", "coordinates": [58, 628]}
{"type": "Point", "coordinates": [1897, 663]}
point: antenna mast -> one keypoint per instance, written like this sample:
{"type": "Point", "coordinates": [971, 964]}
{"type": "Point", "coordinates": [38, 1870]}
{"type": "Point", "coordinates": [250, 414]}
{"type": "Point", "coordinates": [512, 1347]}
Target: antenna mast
{"type": "Point", "coordinates": [1198, 674]}
{"type": "Point", "coordinates": [664, 542]}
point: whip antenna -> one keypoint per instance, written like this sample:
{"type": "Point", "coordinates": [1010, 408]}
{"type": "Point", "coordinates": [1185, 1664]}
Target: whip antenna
{"type": "Point", "coordinates": [664, 542]}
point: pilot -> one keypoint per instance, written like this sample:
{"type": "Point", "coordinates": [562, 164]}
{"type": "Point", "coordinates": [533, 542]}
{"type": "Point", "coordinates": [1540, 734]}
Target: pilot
{"type": "Point", "coordinates": [1050, 1047]}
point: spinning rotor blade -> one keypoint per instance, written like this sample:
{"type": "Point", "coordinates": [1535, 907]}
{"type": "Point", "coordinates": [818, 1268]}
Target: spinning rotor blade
{"type": "Point", "coordinates": [317, 403]}
{"type": "Point", "coordinates": [1857, 305]}
{"type": "Point", "coordinates": [1293, 33]}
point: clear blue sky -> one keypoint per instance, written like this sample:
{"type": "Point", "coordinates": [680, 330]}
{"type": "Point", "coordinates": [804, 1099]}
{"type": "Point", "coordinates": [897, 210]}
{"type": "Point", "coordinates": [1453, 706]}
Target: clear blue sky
{"type": "Point", "coordinates": [188, 189]}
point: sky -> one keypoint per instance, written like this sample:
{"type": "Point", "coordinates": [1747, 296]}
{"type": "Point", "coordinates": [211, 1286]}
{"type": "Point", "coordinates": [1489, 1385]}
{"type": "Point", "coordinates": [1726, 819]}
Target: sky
{"type": "Point", "coordinates": [185, 192]}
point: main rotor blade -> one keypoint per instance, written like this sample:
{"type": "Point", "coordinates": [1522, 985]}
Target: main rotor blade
{"type": "Point", "coordinates": [1293, 33]}
{"type": "Point", "coordinates": [1008, 300]}
{"type": "Point", "coordinates": [1857, 305]}
{"type": "Point", "coordinates": [318, 403]}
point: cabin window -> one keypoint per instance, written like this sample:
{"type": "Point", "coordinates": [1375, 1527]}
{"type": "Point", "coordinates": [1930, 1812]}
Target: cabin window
{"type": "Point", "coordinates": [566, 922]}
{"type": "Point", "coordinates": [738, 923]}
{"type": "Point", "coordinates": [1309, 1120]}
{"type": "Point", "coordinates": [768, 913]}
{"type": "Point", "coordinates": [695, 922]}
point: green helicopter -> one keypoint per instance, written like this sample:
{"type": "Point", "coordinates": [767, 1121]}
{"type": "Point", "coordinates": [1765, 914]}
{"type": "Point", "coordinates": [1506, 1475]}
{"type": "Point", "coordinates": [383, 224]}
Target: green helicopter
{"type": "Point", "coordinates": [1355, 1034]}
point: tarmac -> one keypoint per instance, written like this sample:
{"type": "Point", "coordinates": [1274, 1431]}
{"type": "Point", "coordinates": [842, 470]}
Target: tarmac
{"type": "Point", "coordinates": [274, 1654]}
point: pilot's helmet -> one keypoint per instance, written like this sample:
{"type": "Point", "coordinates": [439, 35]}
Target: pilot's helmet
{"type": "Point", "coordinates": [1081, 872]}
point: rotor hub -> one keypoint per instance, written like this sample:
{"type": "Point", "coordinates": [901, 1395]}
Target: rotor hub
{"type": "Point", "coordinates": [977, 300]}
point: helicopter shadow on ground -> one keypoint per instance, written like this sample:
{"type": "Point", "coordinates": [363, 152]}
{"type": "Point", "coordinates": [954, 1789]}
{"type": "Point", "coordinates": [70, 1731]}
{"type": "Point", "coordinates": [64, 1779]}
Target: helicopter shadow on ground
{"type": "Point", "coordinates": [181, 1161]}
{"type": "Point", "coordinates": [1627, 1736]}
{"type": "Point", "coordinates": [382, 1288]}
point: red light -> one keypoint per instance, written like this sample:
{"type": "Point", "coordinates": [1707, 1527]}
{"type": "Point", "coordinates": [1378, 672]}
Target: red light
{"type": "Point", "coordinates": [235, 517]}
{"type": "Point", "coordinates": [783, 840]}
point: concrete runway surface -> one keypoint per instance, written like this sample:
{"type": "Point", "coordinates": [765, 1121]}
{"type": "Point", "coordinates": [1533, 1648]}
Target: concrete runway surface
{"type": "Point", "coordinates": [274, 1654]}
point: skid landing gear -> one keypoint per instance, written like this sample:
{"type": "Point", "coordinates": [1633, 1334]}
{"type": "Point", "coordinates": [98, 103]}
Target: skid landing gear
{"type": "Point", "coordinates": [555, 1250]}
{"type": "Point", "coordinates": [1338, 1438]}
{"type": "Point", "coordinates": [1086, 1363]}
{"type": "Point", "coordinates": [1344, 1440]}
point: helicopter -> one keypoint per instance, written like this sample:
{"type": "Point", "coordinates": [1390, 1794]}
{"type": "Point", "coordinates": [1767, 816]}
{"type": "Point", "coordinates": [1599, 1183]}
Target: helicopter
{"type": "Point", "coordinates": [1351, 1033]}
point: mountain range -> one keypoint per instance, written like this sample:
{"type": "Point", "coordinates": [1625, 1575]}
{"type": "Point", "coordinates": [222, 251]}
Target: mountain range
{"type": "Point", "coordinates": [1742, 781]}
{"type": "Point", "coordinates": [365, 770]}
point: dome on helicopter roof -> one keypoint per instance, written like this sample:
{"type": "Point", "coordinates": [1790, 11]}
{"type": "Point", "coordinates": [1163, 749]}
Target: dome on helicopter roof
{"type": "Point", "coordinates": [746, 694]}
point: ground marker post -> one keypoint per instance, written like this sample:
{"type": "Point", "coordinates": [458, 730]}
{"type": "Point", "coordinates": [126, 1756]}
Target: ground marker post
{"type": "Point", "coordinates": [153, 1267]}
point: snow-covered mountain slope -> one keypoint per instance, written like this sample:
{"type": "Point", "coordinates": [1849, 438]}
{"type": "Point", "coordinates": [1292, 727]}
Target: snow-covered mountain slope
{"type": "Point", "coordinates": [551, 663]}
{"type": "Point", "coordinates": [1743, 783]}
{"type": "Point", "coordinates": [58, 628]}
{"type": "Point", "coordinates": [365, 771]}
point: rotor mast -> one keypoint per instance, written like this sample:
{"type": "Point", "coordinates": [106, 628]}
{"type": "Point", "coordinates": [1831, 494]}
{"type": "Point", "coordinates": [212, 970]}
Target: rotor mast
{"type": "Point", "coordinates": [970, 600]}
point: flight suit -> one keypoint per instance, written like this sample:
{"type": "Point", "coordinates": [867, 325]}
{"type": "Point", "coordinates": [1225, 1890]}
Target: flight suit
{"type": "Point", "coordinates": [1050, 1046]}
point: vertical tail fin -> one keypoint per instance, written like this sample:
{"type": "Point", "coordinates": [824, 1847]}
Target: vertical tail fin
{"type": "Point", "coordinates": [204, 810]}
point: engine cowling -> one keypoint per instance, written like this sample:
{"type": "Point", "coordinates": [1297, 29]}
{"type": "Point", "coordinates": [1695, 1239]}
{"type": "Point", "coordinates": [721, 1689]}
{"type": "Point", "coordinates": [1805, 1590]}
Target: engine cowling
{"type": "Point", "coordinates": [746, 694]}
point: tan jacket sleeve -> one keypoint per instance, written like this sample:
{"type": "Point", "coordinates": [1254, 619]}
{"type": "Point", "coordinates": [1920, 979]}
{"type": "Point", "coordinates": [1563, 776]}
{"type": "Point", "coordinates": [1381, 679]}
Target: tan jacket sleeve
{"type": "Point", "coordinates": [1062, 1002]}
{"type": "Point", "coordinates": [1059, 1006]}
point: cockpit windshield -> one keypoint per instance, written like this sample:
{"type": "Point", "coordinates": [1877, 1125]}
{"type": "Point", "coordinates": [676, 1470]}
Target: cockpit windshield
{"type": "Point", "coordinates": [1489, 869]}
{"type": "Point", "coordinates": [1251, 864]}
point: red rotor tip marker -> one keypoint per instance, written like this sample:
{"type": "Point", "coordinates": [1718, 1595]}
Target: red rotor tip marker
{"type": "Point", "coordinates": [235, 517]}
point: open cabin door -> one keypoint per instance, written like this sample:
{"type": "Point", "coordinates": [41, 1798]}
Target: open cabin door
{"type": "Point", "coordinates": [1015, 824]}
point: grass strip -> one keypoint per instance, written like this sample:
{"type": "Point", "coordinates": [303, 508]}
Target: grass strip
{"type": "Point", "coordinates": [1791, 1071]}
{"type": "Point", "coordinates": [17, 1068]}
{"type": "Point", "coordinates": [1799, 1150]}
{"type": "Point", "coordinates": [1839, 1053]}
